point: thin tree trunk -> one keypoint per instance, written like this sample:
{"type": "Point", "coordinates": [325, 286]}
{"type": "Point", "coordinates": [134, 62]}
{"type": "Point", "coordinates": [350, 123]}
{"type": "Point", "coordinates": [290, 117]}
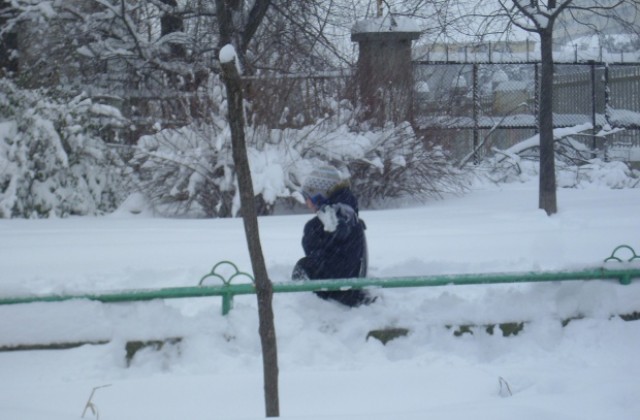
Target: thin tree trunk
{"type": "Point", "coordinates": [263, 285]}
{"type": "Point", "coordinates": [226, 11]}
{"type": "Point", "coordinates": [547, 187]}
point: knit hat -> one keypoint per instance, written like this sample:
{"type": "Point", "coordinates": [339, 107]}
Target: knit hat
{"type": "Point", "coordinates": [321, 180]}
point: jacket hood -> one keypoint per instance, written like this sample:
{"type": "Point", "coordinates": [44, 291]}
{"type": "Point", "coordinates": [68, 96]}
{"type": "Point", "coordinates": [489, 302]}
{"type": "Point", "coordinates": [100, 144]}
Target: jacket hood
{"type": "Point", "coordinates": [343, 195]}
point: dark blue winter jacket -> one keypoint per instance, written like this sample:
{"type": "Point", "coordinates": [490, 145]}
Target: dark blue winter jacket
{"type": "Point", "coordinates": [334, 241]}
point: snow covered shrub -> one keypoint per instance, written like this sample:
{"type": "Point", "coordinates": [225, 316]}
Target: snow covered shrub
{"type": "Point", "coordinates": [52, 159]}
{"type": "Point", "coordinates": [186, 171]}
{"type": "Point", "coordinates": [575, 163]}
{"type": "Point", "coordinates": [387, 163]}
{"type": "Point", "coordinates": [614, 175]}
{"type": "Point", "coordinates": [404, 165]}
{"type": "Point", "coordinates": [189, 171]}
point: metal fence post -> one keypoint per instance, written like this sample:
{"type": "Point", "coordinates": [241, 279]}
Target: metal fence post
{"type": "Point", "coordinates": [536, 96]}
{"type": "Point", "coordinates": [227, 303]}
{"type": "Point", "coordinates": [607, 107]}
{"type": "Point", "coordinates": [594, 129]}
{"type": "Point", "coordinates": [476, 105]}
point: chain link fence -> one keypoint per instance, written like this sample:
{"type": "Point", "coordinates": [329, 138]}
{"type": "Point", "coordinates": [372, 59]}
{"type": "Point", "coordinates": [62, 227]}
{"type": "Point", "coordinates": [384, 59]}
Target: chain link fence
{"type": "Point", "coordinates": [461, 106]}
{"type": "Point", "coordinates": [480, 106]}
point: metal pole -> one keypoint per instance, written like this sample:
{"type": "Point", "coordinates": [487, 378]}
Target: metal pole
{"type": "Point", "coordinates": [476, 105]}
{"type": "Point", "coordinates": [228, 291]}
{"type": "Point", "coordinates": [607, 108]}
{"type": "Point", "coordinates": [594, 130]}
{"type": "Point", "coordinates": [536, 96]}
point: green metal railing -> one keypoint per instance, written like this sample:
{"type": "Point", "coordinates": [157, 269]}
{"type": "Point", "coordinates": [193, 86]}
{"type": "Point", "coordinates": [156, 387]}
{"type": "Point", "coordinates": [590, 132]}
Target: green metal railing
{"type": "Point", "coordinates": [227, 290]}
{"type": "Point", "coordinates": [620, 249]}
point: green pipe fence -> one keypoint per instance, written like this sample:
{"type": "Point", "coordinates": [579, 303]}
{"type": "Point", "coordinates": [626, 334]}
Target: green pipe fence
{"type": "Point", "coordinates": [624, 273]}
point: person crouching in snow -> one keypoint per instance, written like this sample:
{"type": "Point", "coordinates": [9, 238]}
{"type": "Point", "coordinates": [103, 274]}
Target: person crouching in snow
{"type": "Point", "coordinates": [334, 240]}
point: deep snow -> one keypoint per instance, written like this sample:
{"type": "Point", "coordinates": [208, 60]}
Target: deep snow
{"type": "Point", "coordinates": [588, 369]}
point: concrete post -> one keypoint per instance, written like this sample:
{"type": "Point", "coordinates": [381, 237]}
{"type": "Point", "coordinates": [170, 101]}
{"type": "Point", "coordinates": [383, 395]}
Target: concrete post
{"type": "Point", "coordinates": [385, 73]}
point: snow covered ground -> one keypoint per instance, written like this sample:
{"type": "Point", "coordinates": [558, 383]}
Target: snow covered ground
{"type": "Point", "coordinates": [588, 369]}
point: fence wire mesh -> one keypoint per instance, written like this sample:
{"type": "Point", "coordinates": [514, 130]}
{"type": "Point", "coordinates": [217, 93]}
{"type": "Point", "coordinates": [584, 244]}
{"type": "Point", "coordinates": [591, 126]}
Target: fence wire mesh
{"type": "Point", "coordinates": [463, 105]}
{"type": "Point", "coordinates": [458, 105]}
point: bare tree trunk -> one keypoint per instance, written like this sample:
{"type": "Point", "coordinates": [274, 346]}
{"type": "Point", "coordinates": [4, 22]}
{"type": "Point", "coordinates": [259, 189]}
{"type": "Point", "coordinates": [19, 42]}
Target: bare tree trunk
{"type": "Point", "coordinates": [547, 188]}
{"type": "Point", "coordinates": [226, 11]}
{"type": "Point", "coordinates": [263, 285]}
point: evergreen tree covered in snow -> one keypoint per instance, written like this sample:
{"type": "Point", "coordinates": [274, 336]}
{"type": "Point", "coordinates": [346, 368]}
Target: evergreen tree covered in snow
{"type": "Point", "coordinates": [53, 161]}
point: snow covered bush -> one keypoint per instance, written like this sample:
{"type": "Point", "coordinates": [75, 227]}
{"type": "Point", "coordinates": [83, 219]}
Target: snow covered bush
{"type": "Point", "coordinates": [400, 164]}
{"type": "Point", "coordinates": [53, 161]}
{"type": "Point", "coordinates": [614, 175]}
{"type": "Point", "coordinates": [575, 163]}
{"type": "Point", "coordinates": [387, 163]}
{"type": "Point", "coordinates": [185, 171]}
{"type": "Point", "coordinates": [190, 171]}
